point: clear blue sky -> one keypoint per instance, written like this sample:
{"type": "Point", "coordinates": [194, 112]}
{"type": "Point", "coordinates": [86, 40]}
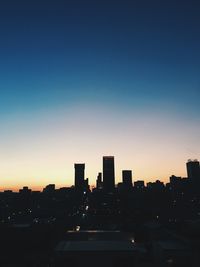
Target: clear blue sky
{"type": "Point", "coordinates": [128, 59]}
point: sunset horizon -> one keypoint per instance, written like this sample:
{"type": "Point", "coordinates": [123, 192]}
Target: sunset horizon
{"type": "Point", "coordinates": [118, 179]}
{"type": "Point", "coordinates": [82, 81]}
{"type": "Point", "coordinates": [100, 133]}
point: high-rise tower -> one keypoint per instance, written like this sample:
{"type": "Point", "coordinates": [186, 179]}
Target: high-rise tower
{"type": "Point", "coordinates": [108, 173]}
{"type": "Point", "coordinates": [79, 175]}
{"type": "Point", "coordinates": [127, 178]}
{"type": "Point", "coordinates": [99, 183]}
{"type": "Point", "coordinates": [193, 170]}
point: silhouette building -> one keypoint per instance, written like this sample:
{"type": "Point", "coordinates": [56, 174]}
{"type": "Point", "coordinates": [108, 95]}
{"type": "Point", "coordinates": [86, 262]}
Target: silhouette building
{"type": "Point", "coordinates": [49, 189]}
{"type": "Point", "coordinates": [127, 178]}
{"type": "Point", "coordinates": [108, 173]}
{"type": "Point", "coordinates": [139, 185]}
{"type": "Point", "coordinates": [86, 184]}
{"type": "Point", "coordinates": [79, 176]}
{"type": "Point", "coordinates": [193, 170]}
{"type": "Point", "coordinates": [99, 183]}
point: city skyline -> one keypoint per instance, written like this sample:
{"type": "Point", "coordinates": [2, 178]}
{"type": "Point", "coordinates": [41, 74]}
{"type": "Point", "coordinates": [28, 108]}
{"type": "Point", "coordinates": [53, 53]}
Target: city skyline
{"type": "Point", "coordinates": [91, 78]}
{"type": "Point", "coordinates": [100, 133]}
{"type": "Point", "coordinates": [106, 178]}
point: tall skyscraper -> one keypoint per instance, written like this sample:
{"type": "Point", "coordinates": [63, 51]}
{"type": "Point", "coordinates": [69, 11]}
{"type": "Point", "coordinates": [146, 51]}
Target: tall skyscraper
{"type": "Point", "coordinates": [108, 173]}
{"type": "Point", "coordinates": [79, 175]}
{"type": "Point", "coordinates": [127, 178]}
{"type": "Point", "coordinates": [99, 183]}
{"type": "Point", "coordinates": [193, 170]}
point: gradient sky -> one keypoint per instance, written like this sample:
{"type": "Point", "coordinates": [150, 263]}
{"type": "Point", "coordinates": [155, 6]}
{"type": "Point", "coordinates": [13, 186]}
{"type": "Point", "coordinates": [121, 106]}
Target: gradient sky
{"type": "Point", "coordinates": [83, 79]}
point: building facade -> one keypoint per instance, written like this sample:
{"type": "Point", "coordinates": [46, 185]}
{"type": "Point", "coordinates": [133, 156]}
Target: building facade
{"type": "Point", "coordinates": [79, 176]}
{"type": "Point", "coordinates": [108, 173]}
{"type": "Point", "coordinates": [193, 170]}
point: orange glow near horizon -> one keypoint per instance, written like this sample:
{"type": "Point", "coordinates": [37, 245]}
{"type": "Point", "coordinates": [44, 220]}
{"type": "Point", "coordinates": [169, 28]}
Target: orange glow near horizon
{"type": "Point", "coordinates": [37, 150]}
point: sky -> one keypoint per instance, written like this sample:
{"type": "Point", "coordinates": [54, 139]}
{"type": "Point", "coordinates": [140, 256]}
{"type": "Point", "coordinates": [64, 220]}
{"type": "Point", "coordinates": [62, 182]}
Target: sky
{"type": "Point", "coordinates": [83, 79]}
